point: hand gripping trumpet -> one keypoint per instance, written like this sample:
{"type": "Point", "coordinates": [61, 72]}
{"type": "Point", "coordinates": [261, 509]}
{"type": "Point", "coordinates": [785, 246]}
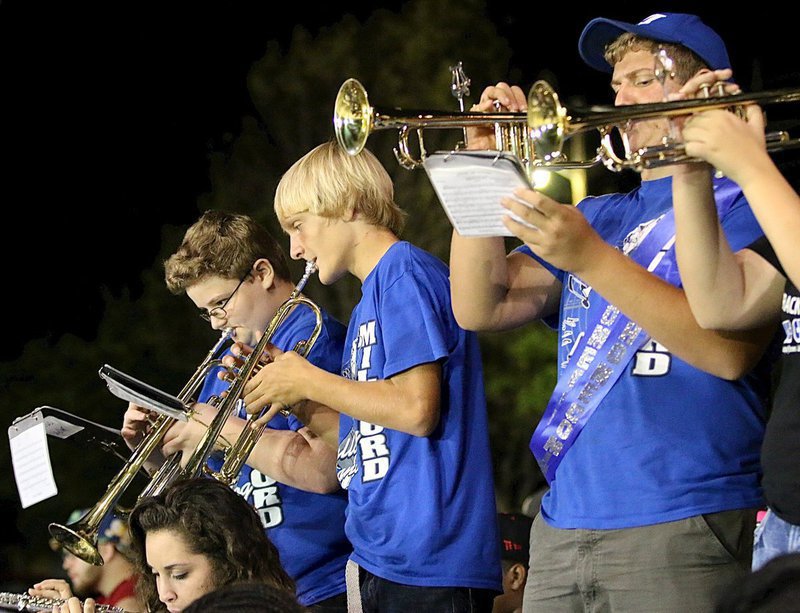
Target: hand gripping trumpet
{"type": "Point", "coordinates": [80, 538]}
{"type": "Point", "coordinates": [236, 454]}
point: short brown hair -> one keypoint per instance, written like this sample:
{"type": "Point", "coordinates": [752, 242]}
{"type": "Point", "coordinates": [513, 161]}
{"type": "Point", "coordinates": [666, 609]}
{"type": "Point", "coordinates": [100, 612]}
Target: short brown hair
{"type": "Point", "coordinates": [687, 63]}
{"type": "Point", "coordinates": [329, 182]}
{"type": "Point", "coordinates": [224, 244]}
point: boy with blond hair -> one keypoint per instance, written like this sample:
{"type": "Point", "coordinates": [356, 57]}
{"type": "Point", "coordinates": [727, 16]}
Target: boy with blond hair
{"type": "Point", "coordinates": [413, 448]}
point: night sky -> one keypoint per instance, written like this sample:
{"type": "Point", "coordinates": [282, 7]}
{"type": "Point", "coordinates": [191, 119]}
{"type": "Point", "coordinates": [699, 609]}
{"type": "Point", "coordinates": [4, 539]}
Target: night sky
{"type": "Point", "coordinates": [110, 113]}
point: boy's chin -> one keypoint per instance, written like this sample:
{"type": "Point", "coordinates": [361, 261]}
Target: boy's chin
{"type": "Point", "coordinates": [329, 278]}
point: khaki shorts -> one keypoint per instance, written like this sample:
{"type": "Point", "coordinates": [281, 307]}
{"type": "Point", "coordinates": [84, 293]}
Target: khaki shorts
{"type": "Point", "coordinates": [681, 566]}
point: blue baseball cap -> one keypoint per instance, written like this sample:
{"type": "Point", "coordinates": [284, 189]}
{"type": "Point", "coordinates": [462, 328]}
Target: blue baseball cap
{"type": "Point", "coordinates": [112, 529]}
{"type": "Point", "coordinates": [677, 28]}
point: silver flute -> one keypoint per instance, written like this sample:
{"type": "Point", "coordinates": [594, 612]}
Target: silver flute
{"type": "Point", "coordinates": [26, 602]}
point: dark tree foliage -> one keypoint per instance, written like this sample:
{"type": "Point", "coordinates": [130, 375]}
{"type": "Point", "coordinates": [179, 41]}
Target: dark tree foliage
{"type": "Point", "coordinates": [403, 59]}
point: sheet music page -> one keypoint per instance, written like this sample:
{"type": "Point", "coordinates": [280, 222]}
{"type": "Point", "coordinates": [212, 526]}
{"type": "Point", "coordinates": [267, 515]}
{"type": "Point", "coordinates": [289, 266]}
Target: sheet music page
{"type": "Point", "coordinates": [60, 428]}
{"type": "Point", "coordinates": [133, 390]}
{"type": "Point", "coordinates": [470, 184]}
{"type": "Point", "coordinates": [33, 471]}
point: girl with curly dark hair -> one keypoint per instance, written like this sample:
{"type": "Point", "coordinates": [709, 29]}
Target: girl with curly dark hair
{"type": "Point", "coordinates": [196, 536]}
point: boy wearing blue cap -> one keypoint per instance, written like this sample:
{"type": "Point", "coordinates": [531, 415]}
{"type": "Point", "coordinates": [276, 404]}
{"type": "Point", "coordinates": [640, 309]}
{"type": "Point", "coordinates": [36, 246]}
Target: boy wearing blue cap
{"type": "Point", "coordinates": [112, 583]}
{"type": "Point", "coordinates": [650, 441]}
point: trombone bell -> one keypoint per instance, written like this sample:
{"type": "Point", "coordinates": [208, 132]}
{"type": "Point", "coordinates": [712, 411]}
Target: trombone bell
{"type": "Point", "coordinates": [352, 116]}
{"type": "Point", "coordinates": [79, 539]}
{"type": "Point", "coordinates": [547, 122]}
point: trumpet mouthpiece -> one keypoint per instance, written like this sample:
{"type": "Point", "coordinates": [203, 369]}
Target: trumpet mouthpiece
{"type": "Point", "coordinates": [311, 268]}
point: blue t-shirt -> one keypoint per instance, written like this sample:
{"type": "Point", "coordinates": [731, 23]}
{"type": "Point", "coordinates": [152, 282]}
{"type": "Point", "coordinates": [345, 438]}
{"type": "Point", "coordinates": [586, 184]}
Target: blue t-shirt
{"type": "Point", "coordinates": [306, 528]}
{"type": "Point", "coordinates": [421, 509]}
{"type": "Point", "coordinates": [668, 441]}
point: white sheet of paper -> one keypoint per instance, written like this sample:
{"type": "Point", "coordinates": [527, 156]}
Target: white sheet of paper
{"type": "Point", "coordinates": [142, 394]}
{"type": "Point", "coordinates": [470, 184]}
{"type": "Point", "coordinates": [33, 471]}
{"type": "Point", "coordinates": [60, 428]}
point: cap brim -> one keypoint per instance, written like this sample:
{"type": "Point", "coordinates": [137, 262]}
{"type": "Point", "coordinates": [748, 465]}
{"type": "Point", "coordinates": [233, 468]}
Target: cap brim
{"type": "Point", "coordinates": [597, 34]}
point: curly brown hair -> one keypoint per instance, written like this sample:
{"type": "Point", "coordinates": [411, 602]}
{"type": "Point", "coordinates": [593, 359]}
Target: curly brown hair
{"type": "Point", "coordinates": [224, 244]}
{"type": "Point", "coordinates": [214, 521]}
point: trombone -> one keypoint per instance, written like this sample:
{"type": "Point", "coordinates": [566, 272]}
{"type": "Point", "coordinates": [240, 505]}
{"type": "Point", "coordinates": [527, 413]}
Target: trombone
{"type": "Point", "coordinates": [550, 124]}
{"type": "Point", "coordinates": [354, 119]}
{"type": "Point", "coordinates": [537, 136]}
{"type": "Point", "coordinates": [80, 537]}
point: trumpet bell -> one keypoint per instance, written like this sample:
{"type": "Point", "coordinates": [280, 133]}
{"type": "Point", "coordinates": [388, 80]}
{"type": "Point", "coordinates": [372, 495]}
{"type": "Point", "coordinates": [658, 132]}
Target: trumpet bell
{"type": "Point", "coordinates": [550, 125]}
{"type": "Point", "coordinates": [547, 122]}
{"type": "Point", "coordinates": [79, 540]}
{"type": "Point", "coordinates": [352, 116]}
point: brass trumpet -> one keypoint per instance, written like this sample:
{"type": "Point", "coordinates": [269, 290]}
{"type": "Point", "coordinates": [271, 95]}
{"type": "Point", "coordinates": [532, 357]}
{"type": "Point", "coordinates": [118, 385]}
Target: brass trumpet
{"type": "Point", "coordinates": [235, 455]}
{"type": "Point", "coordinates": [537, 136]}
{"type": "Point", "coordinates": [80, 538]}
{"type": "Point", "coordinates": [354, 120]}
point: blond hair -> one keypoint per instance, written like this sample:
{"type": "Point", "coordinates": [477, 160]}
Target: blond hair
{"type": "Point", "coordinates": [686, 62]}
{"type": "Point", "coordinates": [223, 244]}
{"type": "Point", "coordinates": [328, 182]}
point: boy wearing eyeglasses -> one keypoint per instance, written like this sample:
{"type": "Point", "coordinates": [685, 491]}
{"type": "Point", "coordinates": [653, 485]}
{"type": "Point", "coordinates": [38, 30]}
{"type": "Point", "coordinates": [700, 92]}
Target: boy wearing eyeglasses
{"type": "Point", "coordinates": [237, 275]}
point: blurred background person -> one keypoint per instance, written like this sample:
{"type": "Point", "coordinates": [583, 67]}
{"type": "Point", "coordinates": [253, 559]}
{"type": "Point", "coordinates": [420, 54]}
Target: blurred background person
{"type": "Point", "coordinates": [113, 583]}
{"type": "Point", "coordinates": [515, 531]}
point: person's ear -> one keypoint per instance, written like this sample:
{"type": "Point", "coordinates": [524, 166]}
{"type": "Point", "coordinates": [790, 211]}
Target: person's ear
{"type": "Point", "coordinates": [264, 273]}
{"type": "Point", "coordinates": [517, 575]}
{"type": "Point", "coordinates": [107, 551]}
{"type": "Point", "coordinates": [350, 214]}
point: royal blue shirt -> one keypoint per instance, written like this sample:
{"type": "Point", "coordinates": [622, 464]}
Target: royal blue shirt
{"type": "Point", "coordinates": [668, 441]}
{"type": "Point", "coordinates": [421, 508]}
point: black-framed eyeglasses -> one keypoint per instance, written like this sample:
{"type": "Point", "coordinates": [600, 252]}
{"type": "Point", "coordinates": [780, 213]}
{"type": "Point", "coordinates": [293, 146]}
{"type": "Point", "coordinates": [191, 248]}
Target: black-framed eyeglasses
{"type": "Point", "coordinates": [220, 312]}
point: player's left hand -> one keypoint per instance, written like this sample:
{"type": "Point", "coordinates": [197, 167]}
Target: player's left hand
{"type": "Point", "coordinates": [559, 234]}
{"type": "Point", "coordinates": [56, 589]}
